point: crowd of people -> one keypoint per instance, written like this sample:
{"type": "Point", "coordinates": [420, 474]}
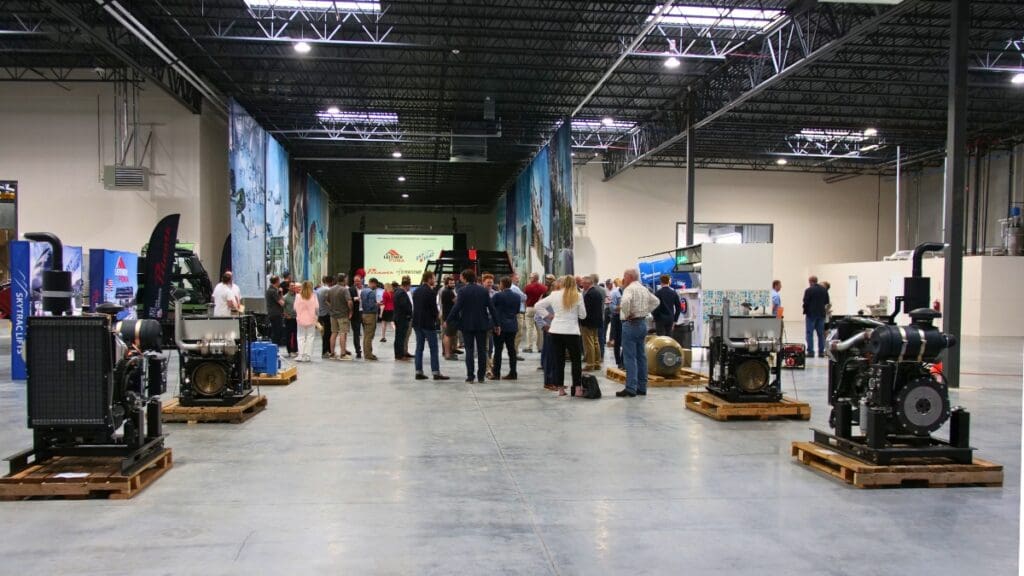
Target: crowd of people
{"type": "Point", "coordinates": [571, 320]}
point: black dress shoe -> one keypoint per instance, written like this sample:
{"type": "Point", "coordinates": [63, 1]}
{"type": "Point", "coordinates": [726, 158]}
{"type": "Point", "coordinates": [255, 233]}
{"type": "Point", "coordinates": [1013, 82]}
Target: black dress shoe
{"type": "Point", "coordinates": [625, 394]}
{"type": "Point", "coordinates": [510, 377]}
{"type": "Point", "coordinates": [421, 376]}
{"type": "Point", "coordinates": [480, 380]}
{"type": "Point", "coordinates": [471, 380]}
{"type": "Point", "coordinates": [639, 393]}
{"type": "Point", "coordinates": [440, 377]}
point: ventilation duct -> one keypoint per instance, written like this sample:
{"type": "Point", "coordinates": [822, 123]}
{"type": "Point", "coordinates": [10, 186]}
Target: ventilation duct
{"type": "Point", "coordinates": [469, 139]}
{"type": "Point", "coordinates": [125, 178]}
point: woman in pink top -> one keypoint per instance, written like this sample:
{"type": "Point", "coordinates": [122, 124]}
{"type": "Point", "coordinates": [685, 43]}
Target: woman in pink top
{"type": "Point", "coordinates": [307, 309]}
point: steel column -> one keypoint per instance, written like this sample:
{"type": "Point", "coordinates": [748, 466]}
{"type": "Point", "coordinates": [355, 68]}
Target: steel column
{"type": "Point", "coordinates": [691, 170]}
{"type": "Point", "coordinates": [956, 142]}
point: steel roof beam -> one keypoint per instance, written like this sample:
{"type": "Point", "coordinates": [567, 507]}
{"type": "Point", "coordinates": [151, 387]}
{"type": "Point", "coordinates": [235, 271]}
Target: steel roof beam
{"type": "Point", "coordinates": [796, 44]}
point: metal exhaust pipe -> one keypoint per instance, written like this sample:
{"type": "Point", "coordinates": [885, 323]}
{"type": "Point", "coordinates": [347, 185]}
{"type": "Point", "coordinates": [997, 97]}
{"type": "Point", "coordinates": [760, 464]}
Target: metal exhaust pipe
{"type": "Point", "coordinates": [178, 329]}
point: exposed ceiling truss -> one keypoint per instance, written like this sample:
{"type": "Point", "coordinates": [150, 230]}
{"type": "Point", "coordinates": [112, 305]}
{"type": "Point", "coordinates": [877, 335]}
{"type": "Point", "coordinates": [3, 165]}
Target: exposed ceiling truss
{"type": "Point", "coordinates": [751, 75]}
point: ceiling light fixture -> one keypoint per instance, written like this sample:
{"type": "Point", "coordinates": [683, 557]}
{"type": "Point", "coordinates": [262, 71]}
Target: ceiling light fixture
{"type": "Point", "coordinates": [871, 132]}
{"type": "Point", "coordinates": [334, 110]}
{"type": "Point", "coordinates": [302, 47]}
{"type": "Point", "coordinates": [672, 62]}
{"type": "Point", "coordinates": [456, 51]}
{"type": "Point", "coordinates": [401, 178]}
{"type": "Point", "coordinates": [608, 121]}
{"type": "Point", "coordinates": [782, 161]}
{"type": "Point", "coordinates": [405, 195]}
{"type": "Point", "coordinates": [1018, 79]}
{"type": "Point", "coordinates": [396, 154]}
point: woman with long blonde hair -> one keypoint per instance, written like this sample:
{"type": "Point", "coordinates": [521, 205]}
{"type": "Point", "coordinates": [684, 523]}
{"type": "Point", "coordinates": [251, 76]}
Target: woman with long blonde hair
{"type": "Point", "coordinates": [307, 309]}
{"type": "Point", "coordinates": [565, 309]}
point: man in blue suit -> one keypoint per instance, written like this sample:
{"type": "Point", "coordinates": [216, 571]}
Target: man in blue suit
{"type": "Point", "coordinates": [507, 304]}
{"type": "Point", "coordinates": [474, 315]}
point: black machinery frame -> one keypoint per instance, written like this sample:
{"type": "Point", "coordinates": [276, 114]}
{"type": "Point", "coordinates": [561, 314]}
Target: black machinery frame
{"type": "Point", "coordinates": [875, 444]}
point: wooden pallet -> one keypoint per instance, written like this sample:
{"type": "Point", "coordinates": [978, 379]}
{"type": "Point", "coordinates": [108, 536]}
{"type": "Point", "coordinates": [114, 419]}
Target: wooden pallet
{"type": "Point", "coordinates": [282, 378]}
{"type": "Point", "coordinates": [80, 477]}
{"type": "Point", "coordinates": [244, 410]}
{"type": "Point", "coordinates": [721, 409]}
{"type": "Point", "coordinates": [685, 377]}
{"type": "Point", "coordinates": [920, 474]}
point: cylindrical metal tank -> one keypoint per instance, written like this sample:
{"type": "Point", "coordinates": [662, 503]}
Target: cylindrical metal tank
{"type": "Point", "coordinates": [664, 356]}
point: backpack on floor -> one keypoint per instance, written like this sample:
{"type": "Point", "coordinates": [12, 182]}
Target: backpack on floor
{"type": "Point", "coordinates": [588, 388]}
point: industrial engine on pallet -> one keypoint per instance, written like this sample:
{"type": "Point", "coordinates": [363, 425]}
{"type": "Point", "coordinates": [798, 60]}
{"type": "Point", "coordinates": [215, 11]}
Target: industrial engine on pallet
{"type": "Point", "coordinates": [88, 378]}
{"type": "Point", "coordinates": [744, 357]}
{"type": "Point", "coordinates": [885, 378]}
{"type": "Point", "coordinates": [664, 356]}
{"type": "Point", "coordinates": [213, 358]}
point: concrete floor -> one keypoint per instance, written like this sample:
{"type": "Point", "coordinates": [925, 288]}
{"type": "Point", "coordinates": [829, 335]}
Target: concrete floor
{"type": "Point", "coordinates": [359, 469]}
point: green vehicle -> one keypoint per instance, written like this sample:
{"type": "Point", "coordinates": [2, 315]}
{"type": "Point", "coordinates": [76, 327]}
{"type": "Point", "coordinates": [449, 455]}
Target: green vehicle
{"type": "Point", "coordinates": [188, 275]}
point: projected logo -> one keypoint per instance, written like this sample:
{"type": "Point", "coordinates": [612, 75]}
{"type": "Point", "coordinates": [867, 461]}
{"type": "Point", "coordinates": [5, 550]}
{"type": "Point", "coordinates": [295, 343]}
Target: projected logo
{"type": "Point", "coordinates": [426, 255]}
{"type": "Point", "coordinates": [393, 256]}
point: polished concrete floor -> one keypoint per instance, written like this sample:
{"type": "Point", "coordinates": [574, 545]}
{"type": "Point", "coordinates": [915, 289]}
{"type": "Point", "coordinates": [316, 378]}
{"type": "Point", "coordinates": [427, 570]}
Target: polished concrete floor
{"type": "Point", "coordinates": [359, 469]}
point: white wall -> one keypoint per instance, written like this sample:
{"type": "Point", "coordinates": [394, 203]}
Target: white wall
{"type": "Point", "coordinates": [214, 215]}
{"type": "Point", "coordinates": [990, 290]}
{"type": "Point", "coordinates": [921, 199]}
{"type": "Point", "coordinates": [635, 214]}
{"type": "Point", "coordinates": [55, 148]}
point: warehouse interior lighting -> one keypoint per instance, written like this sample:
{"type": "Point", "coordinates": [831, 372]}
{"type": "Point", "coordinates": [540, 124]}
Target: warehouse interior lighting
{"type": "Point", "coordinates": [828, 135]}
{"type": "Point", "coordinates": [405, 195]}
{"type": "Point", "coordinates": [396, 154]}
{"type": "Point", "coordinates": [1018, 79]}
{"type": "Point", "coordinates": [885, 2]}
{"type": "Point", "coordinates": [401, 178]}
{"type": "Point", "coordinates": [720, 18]}
{"type": "Point", "coordinates": [606, 124]}
{"type": "Point", "coordinates": [871, 132]}
{"type": "Point", "coordinates": [332, 114]}
{"type": "Point", "coordinates": [317, 6]}
{"type": "Point", "coordinates": [672, 62]}
{"type": "Point", "coordinates": [869, 148]}
{"type": "Point", "coordinates": [302, 47]}
{"type": "Point", "coordinates": [782, 161]}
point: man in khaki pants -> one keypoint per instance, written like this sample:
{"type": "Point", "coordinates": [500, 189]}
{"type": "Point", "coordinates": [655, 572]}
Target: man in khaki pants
{"type": "Point", "coordinates": [534, 292]}
{"type": "Point", "coordinates": [370, 308]}
{"type": "Point", "coordinates": [594, 304]}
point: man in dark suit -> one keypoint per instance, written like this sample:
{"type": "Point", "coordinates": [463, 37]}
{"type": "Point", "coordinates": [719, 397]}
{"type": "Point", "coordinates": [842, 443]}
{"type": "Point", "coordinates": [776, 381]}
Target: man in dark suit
{"type": "Point", "coordinates": [593, 302]}
{"type": "Point", "coordinates": [815, 302]}
{"type": "Point", "coordinates": [665, 315]}
{"type": "Point", "coordinates": [403, 316]}
{"type": "Point", "coordinates": [474, 315]}
{"type": "Point", "coordinates": [425, 324]}
{"type": "Point", "coordinates": [506, 304]}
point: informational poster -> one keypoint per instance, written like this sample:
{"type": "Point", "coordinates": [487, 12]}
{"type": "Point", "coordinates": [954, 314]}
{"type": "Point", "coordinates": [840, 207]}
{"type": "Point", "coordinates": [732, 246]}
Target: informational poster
{"type": "Point", "coordinates": [388, 257]}
{"type": "Point", "coordinates": [28, 261]}
{"type": "Point", "coordinates": [535, 217]}
{"type": "Point", "coordinates": [278, 207]}
{"type": "Point", "coordinates": [114, 279]}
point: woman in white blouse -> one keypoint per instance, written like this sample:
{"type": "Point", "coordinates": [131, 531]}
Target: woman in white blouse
{"type": "Point", "coordinates": [565, 306]}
